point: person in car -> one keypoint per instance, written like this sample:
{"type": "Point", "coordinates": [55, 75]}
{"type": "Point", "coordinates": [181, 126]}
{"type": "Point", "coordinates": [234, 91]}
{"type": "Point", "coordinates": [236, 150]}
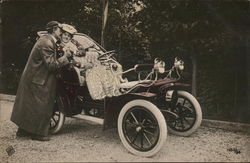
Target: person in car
{"type": "Point", "coordinates": [78, 59]}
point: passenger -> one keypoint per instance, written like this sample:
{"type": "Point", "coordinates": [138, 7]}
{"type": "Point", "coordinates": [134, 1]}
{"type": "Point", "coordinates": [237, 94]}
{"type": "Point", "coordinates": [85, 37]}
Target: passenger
{"type": "Point", "coordinates": [79, 59]}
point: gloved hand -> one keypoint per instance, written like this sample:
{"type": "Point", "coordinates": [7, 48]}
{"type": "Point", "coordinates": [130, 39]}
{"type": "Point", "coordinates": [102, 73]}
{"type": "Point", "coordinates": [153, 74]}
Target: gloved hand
{"type": "Point", "coordinates": [68, 53]}
{"type": "Point", "coordinates": [76, 64]}
{"type": "Point", "coordinates": [81, 51]}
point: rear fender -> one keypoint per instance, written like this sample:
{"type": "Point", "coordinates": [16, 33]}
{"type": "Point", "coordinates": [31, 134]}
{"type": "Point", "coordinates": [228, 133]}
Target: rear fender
{"type": "Point", "coordinates": [174, 86]}
{"type": "Point", "coordinates": [168, 92]}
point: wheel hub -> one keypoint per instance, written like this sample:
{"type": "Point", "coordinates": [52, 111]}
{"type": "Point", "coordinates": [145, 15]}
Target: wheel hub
{"type": "Point", "coordinates": [138, 129]}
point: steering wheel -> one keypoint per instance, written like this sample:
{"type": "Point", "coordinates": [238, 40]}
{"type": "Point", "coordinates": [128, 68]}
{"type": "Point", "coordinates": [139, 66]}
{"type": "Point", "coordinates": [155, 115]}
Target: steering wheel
{"type": "Point", "coordinates": [108, 54]}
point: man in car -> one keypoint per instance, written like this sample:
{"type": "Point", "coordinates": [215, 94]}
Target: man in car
{"type": "Point", "coordinates": [36, 92]}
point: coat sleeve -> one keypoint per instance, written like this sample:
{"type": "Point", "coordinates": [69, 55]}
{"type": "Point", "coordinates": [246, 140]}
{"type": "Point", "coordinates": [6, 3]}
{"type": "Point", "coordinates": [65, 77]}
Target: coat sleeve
{"type": "Point", "coordinates": [49, 57]}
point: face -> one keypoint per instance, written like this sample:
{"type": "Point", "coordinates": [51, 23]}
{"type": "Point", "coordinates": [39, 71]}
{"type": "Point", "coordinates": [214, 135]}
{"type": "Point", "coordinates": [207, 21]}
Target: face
{"type": "Point", "coordinates": [57, 32]}
{"type": "Point", "coordinates": [66, 37]}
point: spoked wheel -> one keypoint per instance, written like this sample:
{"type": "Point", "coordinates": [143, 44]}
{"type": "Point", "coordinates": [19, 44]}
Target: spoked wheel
{"type": "Point", "coordinates": [185, 116]}
{"type": "Point", "coordinates": [141, 127]}
{"type": "Point", "coordinates": [56, 121]}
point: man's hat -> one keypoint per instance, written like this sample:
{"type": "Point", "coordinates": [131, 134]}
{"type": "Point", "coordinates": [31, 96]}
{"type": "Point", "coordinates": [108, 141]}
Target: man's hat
{"type": "Point", "coordinates": [52, 24]}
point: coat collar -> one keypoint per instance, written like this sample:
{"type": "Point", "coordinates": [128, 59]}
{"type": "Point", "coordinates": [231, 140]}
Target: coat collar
{"type": "Point", "coordinates": [54, 39]}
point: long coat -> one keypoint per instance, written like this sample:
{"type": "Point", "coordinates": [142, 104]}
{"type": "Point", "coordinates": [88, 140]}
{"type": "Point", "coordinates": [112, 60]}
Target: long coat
{"type": "Point", "coordinates": [36, 92]}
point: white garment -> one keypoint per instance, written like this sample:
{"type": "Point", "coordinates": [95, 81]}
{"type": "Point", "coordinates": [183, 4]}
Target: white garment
{"type": "Point", "coordinates": [70, 46]}
{"type": "Point", "coordinates": [102, 82]}
{"type": "Point", "coordinates": [83, 62]}
{"type": "Point", "coordinates": [92, 57]}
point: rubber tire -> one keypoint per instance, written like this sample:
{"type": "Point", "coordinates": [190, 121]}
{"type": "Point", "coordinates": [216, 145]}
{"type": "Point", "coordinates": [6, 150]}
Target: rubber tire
{"type": "Point", "coordinates": [198, 111]}
{"type": "Point", "coordinates": [160, 119]}
{"type": "Point", "coordinates": [59, 126]}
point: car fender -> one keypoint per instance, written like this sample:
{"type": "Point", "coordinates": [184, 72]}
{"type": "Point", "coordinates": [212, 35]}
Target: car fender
{"type": "Point", "coordinates": [114, 105]}
{"type": "Point", "coordinates": [174, 86]}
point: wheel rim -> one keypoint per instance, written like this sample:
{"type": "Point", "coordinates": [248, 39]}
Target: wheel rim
{"type": "Point", "coordinates": [54, 120]}
{"type": "Point", "coordinates": [186, 115]}
{"type": "Point", "coordinates": [140, 128]}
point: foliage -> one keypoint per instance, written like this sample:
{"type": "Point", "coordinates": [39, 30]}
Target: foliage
{"type": "Point", "coordinates": [9, 78]}
{"type": "Point", "coordinates": [123, 33]}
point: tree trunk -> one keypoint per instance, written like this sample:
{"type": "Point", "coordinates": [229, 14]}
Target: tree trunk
{"type": "Point", "coordinates": [194, 74]}
{"type": "Point", "coordinates": [235, 89]}
{"type": "Point", "coordinates": [120, 46]}
{"type": "Point", "coordinates": [248, 74]}
{"type": "Point", "coordinates": [1, 55]}
{"type": "Point", "coordinates": [105, 4]}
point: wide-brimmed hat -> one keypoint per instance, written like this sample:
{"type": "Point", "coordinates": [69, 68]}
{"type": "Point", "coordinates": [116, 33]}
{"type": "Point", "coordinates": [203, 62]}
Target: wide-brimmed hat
{"type": "Point", "coordinates": [52, 24]}
{"type": "Point", "coordinates": [68, 28]}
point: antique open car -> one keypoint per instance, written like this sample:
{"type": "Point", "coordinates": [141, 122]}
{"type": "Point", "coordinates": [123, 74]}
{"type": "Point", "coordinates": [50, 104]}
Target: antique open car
{"type": "Point", "coordinates": [142, 110]}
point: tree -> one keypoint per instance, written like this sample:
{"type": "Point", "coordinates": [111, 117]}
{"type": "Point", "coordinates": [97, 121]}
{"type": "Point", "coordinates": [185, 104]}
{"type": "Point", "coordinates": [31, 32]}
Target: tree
{"type": "Point", "coordinates": [105, 4]}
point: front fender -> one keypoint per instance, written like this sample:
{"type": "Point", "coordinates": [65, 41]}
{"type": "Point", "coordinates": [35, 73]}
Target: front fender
{"type": "Point", "coordinates": [114, 105]}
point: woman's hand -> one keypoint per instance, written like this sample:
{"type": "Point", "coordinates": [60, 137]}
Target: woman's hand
{"type": "Point", "coordinates": [76, 64]}
{"type": "Point", "coordinates": [81, 51]}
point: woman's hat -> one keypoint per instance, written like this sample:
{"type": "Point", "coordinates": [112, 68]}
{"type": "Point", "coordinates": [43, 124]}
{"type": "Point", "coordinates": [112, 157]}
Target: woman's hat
{"type": "Point", "coordinates": [68, 28]}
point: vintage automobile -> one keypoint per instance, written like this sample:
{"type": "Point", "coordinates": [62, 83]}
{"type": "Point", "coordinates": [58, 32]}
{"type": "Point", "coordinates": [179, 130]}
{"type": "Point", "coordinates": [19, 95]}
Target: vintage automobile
{"type": "Point", "coordinates": [142, 110]}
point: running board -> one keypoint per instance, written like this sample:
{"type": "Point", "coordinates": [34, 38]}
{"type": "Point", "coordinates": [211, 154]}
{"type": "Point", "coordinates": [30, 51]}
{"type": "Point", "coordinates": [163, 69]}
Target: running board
{"type": "Point", "coordinates": [89, 118]}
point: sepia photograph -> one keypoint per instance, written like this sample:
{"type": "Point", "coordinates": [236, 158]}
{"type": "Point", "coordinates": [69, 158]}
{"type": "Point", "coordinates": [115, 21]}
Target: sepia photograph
{"type": "Point", "coordinates": [124, 81]}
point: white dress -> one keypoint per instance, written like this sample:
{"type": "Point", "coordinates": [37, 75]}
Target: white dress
{"type": "Point", "coordinates": [101, 80]}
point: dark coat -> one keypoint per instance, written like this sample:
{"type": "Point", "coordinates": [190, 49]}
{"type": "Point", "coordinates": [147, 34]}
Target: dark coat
{"type": "Point", "coordinates": [36, 92]}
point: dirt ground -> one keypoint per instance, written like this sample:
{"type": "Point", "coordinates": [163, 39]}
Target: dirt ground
{"type": "Point", "coordinates": [84, 141]}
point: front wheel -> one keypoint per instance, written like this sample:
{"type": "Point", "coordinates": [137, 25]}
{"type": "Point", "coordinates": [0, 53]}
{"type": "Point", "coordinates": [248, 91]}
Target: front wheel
{"type": "Point", "coordinates": [141, 127]}
{"type": "Point", "coordinates": [185, 115]}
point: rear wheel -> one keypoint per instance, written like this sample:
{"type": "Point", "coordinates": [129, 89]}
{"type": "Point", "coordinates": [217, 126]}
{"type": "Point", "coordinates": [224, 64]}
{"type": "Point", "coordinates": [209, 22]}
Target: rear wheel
{"type": "Point", "coordinates": [185, 115]}
{"type": "Point", "coordinates": [141, 127]}
{"type": "Point", "coordinates": [57, 119]}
